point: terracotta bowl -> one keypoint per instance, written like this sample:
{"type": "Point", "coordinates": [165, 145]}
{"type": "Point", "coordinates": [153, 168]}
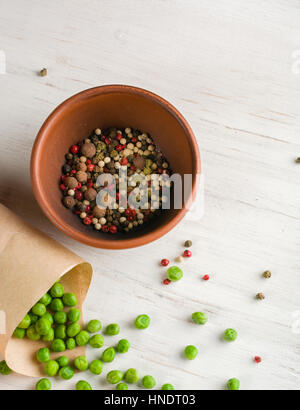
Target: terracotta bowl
{"type": "Point", "coordinates": [109, 106]}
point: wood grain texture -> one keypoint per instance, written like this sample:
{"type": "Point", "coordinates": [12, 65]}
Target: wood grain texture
{"type": "Point", "coordinates": [228, 67]}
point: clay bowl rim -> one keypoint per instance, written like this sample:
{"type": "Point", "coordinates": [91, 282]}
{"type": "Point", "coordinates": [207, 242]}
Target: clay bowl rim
{"type": "Point", "coordinates": [85, 238]}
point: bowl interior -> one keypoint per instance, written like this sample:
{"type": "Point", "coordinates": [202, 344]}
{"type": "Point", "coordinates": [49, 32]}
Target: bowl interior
{"type": "Point", "coordinates": [107, 107]}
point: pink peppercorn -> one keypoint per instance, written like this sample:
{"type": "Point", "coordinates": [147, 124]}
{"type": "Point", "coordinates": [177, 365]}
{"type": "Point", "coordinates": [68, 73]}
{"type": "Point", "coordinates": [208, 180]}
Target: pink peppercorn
{"type": "Point", "coordinates": [166, 282]}
{"type": "Point", "coordinates": [164, 262]}
{"type": "Point", "coordinates": [187, 253]}
{"type": "Point", "coordinates": [74, 149]}
{"type": "Point", "coordinates": [87, 220]}
{"type": "Point", "coordinates": [257, 359]}
{"type": "Point", "coordinates": [206, 277]}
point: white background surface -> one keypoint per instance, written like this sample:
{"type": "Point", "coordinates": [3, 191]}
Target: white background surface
{"type": "Point", "coordinates": [231, 68]}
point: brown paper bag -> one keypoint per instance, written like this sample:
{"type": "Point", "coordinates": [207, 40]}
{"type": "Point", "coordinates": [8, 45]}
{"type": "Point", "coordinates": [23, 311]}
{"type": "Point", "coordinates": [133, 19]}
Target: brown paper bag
{"type": "Point", "coordinates": [30, 263]}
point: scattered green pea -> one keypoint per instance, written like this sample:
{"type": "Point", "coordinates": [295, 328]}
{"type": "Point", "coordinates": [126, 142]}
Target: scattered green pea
{"type": "Point", "coordinates": [167, 386]}
{"type": "Point", "coordinates": [174, 273]}
{"type": "Point", "coordinates": [148, 382]}
{"type": "Point", "coordinates": [51, 368]}
{"type": "Point", "coordinates": [73, 329]}
{"type": "Point", "coordinates": [33, 318]}
{"type": "Point", "coordinates": [43, 384]}
{"type": "Point", "coordinates": [83, 385]}
{"type": "Point", "coordinates": [233, 384]}
{"type": "Point", "coordinates": [81, 363]}
{"type": "Point", "coordinates": [96, 367]}
{"type": "Point", "coordinates": [39, 309]}
{"type": "Point", "coordinates": [63, 361]}
{"type": "Point", "coordinates": [32, 334]}
{"type": "Point", "coordinates": [122, 386]}
{"type": "Point", "coordinates": [43, 355]}
{"type": "Point", "coordinates": [46, 299]}
{"type": "Point", "coordinates": [56, 305]}
{"type": "Point", "coordinates": [96, 341]}
{"type": "Point", "coordinates": [74, 315]}
{"type": "Point", "coordinates": [82, 338]}
{"type": "Point", "coordinates": [58, 345]}
{"type": "Point", "coordinates": [108, 355]}
{"type": "Point", "coordinates": [131, 376]}
{"type": "Point", "coordinates": [60, 318]}
{"type": "Point", "coordinates": [26, 322]}
{"type": "Point", "coordinates": [49, 337]}
{"type": "Point", "coordinates": [19, 333]}
{"type": "Point", "coordinates": [70, 343]}
{"type": "Point", "coordinates": [230, 335]}
{"type": "Point", "coordinates": [142, 322]}
{"type": "Point", "coordinates": [191, 352]}
{"type": "Point", "coordinates": [49, 317]}
{"type": "Point", "coordinates": [123, 346]}
{"type": "Point", "coordinates": [66, 373]}
{"type": "Point", "coordinates": [112, 329]}
{"type": "Point", "coordinates": [199, 318]}
{"type": "Point", "coordinates": [69, 299]}
{"type": "Point", "coordinates": [60, 332]}
{"type": "Point", "coordinates": [94, 326]}
{"type": "Point", "coordinates": [43, 326]}
{"type": "Point", "coordinates": [114, 376]}
{"type": "Point", "coordinates": [57, 290]}
{"type": "Point", "coordinates": [4, 369]}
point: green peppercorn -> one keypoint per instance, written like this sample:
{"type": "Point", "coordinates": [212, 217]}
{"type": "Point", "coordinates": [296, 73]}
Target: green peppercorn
{"type": "Point", "coordinates": [188, 244]}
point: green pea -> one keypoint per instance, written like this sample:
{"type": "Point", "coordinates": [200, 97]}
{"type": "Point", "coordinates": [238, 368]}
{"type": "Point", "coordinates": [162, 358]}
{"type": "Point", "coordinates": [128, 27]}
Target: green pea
{"type": "Point", "coordinates": [112, 329]}
{"type": "Point", "coordinates": [70, 343]}
{"type": "Point", "coordinates": [49, 337]}
{"type": "Point", "coordinates": [51, 368]}
{"type": "Point", "coordinates": [26, 322]}
{"type": "Point", "coordinates": [96, 341]}
{"type": "Point", "coordinates": [57, 290]}
{"type": "Point", "coordinates": [191, 352]}
{"type": "Point", "coordinates": [73, 329]}
{"type": "Point", "coordinates": [81, 363]}
{"type": "Point", "coordinates": [58, 346]}
{"type": "Point", "coordinates": [60, 332]}
{"type": "Point", "coordinates": [122, 386]}
{"type": "Point", "coordinates": [233, 384]}
{"type": "Point", "coordinates": [96, 367]}
{"type": "Point", "coordinates": [33, 318]}
{"type": "Point", "coordinates": [142, 322]}
{"type": "Point", "coordinates": [74, 315]}
{"type": "Point", "coordinates": [131, 376]}
{"type": "Point", "coordinates": [230, 335]}
{"type": "Point", "coordinates": [46, 299]}
{"type": "Point", "coordinates": [39, 309]}
{"type": "Point", "coordinates": [114, 376]}
{"type": "Point", "coordinates": [4, 369]}
{"type": "Point", "coordinates": [148, 382]}
{"type": "Point", "coordinates": [82, 338]}
{"type": "Point", "coordinates": [43, 326]}
{"type": "Point", "coordinates": [123, 346]}
{"type": "Point", "coordinates": [174, 273]}
{"type": "Point", "coordinates": [69, 299]}
{"type": "Point", "coordinates": [63, 361]}
{"type": "Point", "coordinates": [49, 317]}
{"type": "Point", "coordinates": [43, 384]}
{"type": "Point", "coordinates": [167, 386]}
{"type": "Point", "coordinates": [56, 305]}
{"type": "Point", "coordinates": [32, 334]}
{"type": "Point", "coordinates": [43, 355]}
{"type": "Point", "coordinates": [94, 326]}
{"type": "Point", "coordinates": [66, 373]}
{"type": "Point", "coordinates": [108, 355]}
{"type": "Point", "coordinates": [83, 385]}
{"type": "Point", "coordinates": [199, 318]}
{"type": "Point", "coordinates": [19, 333]}
{"type": "Point", "coordinates": [60, 318]}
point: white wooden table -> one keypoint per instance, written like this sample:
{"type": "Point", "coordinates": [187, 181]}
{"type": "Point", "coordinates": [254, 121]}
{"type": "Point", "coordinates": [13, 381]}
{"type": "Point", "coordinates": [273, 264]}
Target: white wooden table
{"type": "Point", "coordinates": [231, 67]}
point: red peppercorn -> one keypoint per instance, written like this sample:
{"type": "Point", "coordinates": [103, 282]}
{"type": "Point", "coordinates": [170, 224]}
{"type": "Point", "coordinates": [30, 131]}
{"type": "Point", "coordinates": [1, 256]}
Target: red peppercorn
{"type": "Point", "coordinates": [90, 167]}
{"type": "Point", "coordinates": [206, 277]}
{"type": "Point", "coordinates": [119, 147]}
{"type": "Point", "coordinates": [164, 262]}
{"type": "Point", "coordinates": [257, 359]}
{"type": "Point", "coordinates": [62, 187]}
{"type": "Point", "coordinates": [119, 137]}
{"type": "Point", "coordinates": [160, 170]}
{"type": "Point", "coordinates": [113, 229]}
{"type": "Point", "coordinates": [107, 141]}
{"type": "Point", "coordinates": [87, 208]}
{"type": "Point", "coordinates": [187, 253]}
{"type": "Point", "coordinates": [79, 195]}
{"type": "Point", "coordinates": [88, 162]}
{"type": "Point", "coordinates": [63, 178]}
{"type": "Point", "coordinates": [105, 228]}
{"type": "Point", "coordinates": [128, 212]}
{"type": "Point", "coordinates": [130, 218]}
{"type": "Point", "coordinates": [166, 282]}
{"type": "Point", "coordinates": [74, 149]}
{"type": "Point", "coordinates": [87, 220]}
{"type": "Point", "coordinates": [124, 161]}
{"type": "Point", "coordinates": [133, 168]}
{"type": "Point", "coordinates": [73, 171]}
{"type": "Point", "coordinates": [89, 184]}
{"type": "Point", "coordinates": [134, 140]}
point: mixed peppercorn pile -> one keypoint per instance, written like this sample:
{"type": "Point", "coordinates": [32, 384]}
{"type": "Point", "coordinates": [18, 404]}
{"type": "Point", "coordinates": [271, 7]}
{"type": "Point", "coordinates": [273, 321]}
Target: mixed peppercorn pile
{"type": "Point", "coordinates": [107, 152]}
